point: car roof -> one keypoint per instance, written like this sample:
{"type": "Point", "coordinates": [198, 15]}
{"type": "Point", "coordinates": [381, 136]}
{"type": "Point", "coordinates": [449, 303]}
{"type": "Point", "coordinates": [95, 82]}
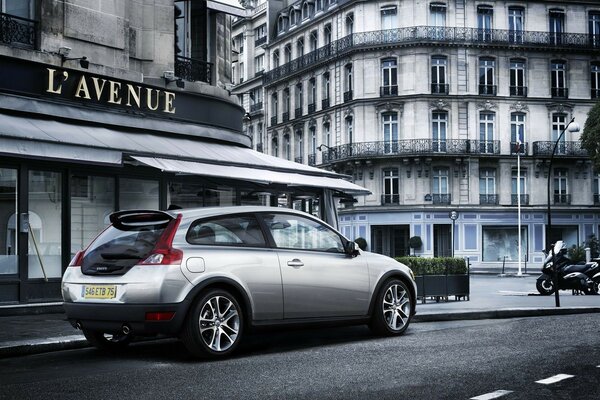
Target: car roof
{"type": "Point", "coordinates": [215, 211]}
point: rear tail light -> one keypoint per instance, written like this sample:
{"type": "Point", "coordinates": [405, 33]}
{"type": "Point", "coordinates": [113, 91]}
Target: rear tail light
{"type": "Point", "coordinates": [77, 259]}
{"type": "Point", "coordinates": [163, 252]}
{"type": "Point", "coordinates": [160, 316]}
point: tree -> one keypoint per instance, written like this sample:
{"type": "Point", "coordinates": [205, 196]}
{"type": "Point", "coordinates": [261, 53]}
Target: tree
{"type": "Point", "coordinates": [590, 138]}
{"type": "Point", "coordinates": [415, 243]}
{"type": "Point", "coordinates": [361, 242]}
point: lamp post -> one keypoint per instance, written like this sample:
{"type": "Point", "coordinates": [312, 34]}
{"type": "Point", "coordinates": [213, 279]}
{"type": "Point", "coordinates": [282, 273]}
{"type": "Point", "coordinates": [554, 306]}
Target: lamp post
{"type": "Point", "coordinates": [573, 127]}
{"type": "Point", "coordinates": [453, 216]}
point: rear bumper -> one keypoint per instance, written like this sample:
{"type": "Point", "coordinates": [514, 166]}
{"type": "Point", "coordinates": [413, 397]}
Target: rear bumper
{"type": "Point", "coordinates": [110, 318]}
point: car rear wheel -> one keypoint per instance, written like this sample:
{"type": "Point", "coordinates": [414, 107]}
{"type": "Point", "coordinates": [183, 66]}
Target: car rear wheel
{"type": "Point", "coordinates": [393, 306]}
{"type": "Point", "coordinates": [107, 341]}
{"type": "Point", "coordinates": [214, 326]}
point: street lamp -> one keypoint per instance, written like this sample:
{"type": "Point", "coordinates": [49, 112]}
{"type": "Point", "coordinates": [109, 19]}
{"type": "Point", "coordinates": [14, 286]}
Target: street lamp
{"type": "Point", "coordinates": [573, 127]}
{"type": "Point", "coordinates": [453, 216]}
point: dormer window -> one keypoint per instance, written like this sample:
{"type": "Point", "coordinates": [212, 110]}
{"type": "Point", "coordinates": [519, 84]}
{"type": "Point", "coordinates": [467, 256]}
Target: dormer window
{"type": "Point", "coordinates": [282, 23]}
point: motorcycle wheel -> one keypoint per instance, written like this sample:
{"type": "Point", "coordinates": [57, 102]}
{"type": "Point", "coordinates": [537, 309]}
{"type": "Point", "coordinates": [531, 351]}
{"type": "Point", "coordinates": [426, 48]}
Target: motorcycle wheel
{"type": "Point", "coordinates": [545, 286]}
{"type": "Point", "coordinates": [596, 286]}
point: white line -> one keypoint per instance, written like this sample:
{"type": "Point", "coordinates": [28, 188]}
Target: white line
{"type": "Point", "coordinates": [554, 379]}
{"type": "Point", "coordinates": [492, 395]}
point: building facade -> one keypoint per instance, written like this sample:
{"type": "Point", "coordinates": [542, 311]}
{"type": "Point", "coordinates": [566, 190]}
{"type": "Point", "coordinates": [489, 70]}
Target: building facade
{"type": "Point", "coordinates": [441, 106]}
{"type": "Point", "coordinates": [107, 106]}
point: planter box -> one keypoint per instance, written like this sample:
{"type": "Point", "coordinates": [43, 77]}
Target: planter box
{"type": "Point", "coordinates": [442, 286]}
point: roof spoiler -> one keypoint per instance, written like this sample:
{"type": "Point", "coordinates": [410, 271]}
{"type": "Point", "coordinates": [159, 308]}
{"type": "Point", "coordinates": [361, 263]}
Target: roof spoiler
{"type": "Point", "coordinates": [131, 219]}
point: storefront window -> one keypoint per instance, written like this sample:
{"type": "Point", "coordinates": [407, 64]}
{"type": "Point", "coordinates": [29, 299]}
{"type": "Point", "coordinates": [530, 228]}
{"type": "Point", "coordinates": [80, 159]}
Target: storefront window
{"type": "Point", "coordinates": [45, 225]}
{"type": "Point", "coordinates": [92, 201]}
{"type": "Point", "coordinates": [189, 195]}
{"type": "Point", "coordinates": [501, 243]}
{"type": "Point", "coordinates": [8, 220]}
{"type": "Point", "coordinates": [138, 193]}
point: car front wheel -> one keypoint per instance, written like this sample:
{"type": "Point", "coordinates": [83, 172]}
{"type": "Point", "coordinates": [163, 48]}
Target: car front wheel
{"type": "Point", "coordinates": [392, 312]}
{"type": "Point", "coordinates": [214, 325]}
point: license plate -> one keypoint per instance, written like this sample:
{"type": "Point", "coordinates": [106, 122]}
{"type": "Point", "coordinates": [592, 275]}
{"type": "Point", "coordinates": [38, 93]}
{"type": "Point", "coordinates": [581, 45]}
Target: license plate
{"type": "Point", "coordinates": [99, 292]}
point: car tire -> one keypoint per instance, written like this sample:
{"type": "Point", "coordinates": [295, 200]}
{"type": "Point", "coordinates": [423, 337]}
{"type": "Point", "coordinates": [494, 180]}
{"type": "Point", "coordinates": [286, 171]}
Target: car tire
{"type": "Point", "coordinates": [214, 326]}
{"type": "Point", "coordinates": [392, 311]}
{"type": "Point", "coordinates": [107, 341]}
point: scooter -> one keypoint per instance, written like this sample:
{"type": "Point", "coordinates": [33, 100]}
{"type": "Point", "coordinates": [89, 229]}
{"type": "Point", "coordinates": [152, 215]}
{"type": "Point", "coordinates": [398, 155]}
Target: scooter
{"type": "Point", "coordinates": [574, 277]}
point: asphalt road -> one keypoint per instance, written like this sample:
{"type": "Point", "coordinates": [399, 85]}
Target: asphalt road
{"type": "Point", "coordinates": [450, 360]}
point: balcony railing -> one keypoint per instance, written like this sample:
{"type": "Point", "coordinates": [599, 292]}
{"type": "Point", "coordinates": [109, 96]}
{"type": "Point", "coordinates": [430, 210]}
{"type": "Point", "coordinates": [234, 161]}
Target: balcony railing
{"type": "Point", "coordinates": [260, 40]}
{"type": "Point", "coordinates": [596, 199]}
{"type": "Point", "coordinates": [325, 104]}
{"type": "Point", "coordinates": [259, 147]}
{"type": "Point", "coordinates": [411, 147]}
{"type": "Point", "coordinates": [348, 95]}
{"type": "Point", "coordinates": [256, 106]}
{"type": "Point", "coordinates": [388, 90]}
{"type": "Point", "coordinates": [520, 91]}
{"type": "Point", "coordinates": [488, 199]}
{"type": "Point", "coordinates": [285, 116]}
{"type": "Point", "coordinates": [299, 159]}
{"type": "Point", "coordinates": [561, 93]}
{"type": "Point", "coordinates": [516, 148]}
{"type": "Point", "coordinates": [298, 112]}
{"type": "Point", "coordinates": [312, 108]}
{"type": "Point", "coordinates": [488, 90]}
{"type": "Point", "coordinates": [595, 94]}
{"type": "Point", "coordinates": [437, 198]}
{"type": "Point", "coordinates": [440, 88]}
{"type": "Point", "coordinates": [193, 70]}
{"type": "Point", "coordinates": [390, 199]}
{"type": "Point", "coordinates": [420, 35]}
{"type": "Point", "coordinates": [274, 120]}
{"type": "Point", "coordinates": [562, 199]}
{"type": "Point", "coordinates": [312, 159]}
{"type": "Point", "coordinates": [515, 197]}
{"type": "Point", "coordinates": [18, 31]}
{"type": "Point", "coordinates": [563, 148]}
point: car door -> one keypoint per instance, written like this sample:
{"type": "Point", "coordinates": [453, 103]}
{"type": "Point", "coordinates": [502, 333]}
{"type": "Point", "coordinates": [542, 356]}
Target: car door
{"type": "Point", "coordinates": [319, 279]}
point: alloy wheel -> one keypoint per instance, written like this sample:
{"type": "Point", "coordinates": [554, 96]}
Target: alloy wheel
{"type": "Point", "coordinates": [219, 323]}
{"type": "Point", "coordinates": [396, 307]}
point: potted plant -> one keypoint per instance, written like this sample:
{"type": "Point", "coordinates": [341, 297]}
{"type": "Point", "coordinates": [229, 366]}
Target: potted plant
{"type": "Point", "coordinates": [415, 243]}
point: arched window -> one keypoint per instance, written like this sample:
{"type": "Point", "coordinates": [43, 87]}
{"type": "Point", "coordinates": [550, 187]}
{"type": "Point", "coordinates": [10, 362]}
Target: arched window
{"type": "Point", "coordinates": [275, 147]}
{"type": "Point", "coordinates": [350, 24]}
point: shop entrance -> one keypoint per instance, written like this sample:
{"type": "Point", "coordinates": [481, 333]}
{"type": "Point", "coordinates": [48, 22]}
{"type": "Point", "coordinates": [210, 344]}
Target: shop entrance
{"type": "Point", "coordinates": [442, 240]}
{"type": "Point", "coordinates": [390, 240]}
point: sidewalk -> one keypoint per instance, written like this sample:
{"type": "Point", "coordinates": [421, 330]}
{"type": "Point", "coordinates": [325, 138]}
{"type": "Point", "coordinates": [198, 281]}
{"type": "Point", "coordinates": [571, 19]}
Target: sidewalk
{"type": "Point", "coordinates": [491, 297]}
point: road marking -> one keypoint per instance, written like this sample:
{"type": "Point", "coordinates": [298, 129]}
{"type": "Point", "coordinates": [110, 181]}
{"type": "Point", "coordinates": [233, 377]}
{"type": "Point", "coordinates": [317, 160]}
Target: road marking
{"type": "Point", "coordinates": [554, 379]}
{"type": "Point", "coordinates": [492, 395]}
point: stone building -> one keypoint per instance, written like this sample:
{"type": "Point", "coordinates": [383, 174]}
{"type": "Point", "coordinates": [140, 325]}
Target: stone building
{"type": "Point", "coordinates": [440, 106]}
{"type": "Point", "coordinates": [110, 105]}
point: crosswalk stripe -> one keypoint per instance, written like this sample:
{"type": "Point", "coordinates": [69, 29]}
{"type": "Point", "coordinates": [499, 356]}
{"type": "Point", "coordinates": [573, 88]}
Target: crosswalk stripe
{"type": "Point", "coordinates": [492, 395]}
{"type": "Point", "coordinates": [554, 379]}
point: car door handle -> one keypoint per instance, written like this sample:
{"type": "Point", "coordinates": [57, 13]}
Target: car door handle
{"type": "Point", "coordinates": [295, 263]}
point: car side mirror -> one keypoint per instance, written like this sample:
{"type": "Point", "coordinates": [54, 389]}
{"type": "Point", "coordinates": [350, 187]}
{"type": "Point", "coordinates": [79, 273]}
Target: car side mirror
{"type": "Point", "coordinates": [352, 249]}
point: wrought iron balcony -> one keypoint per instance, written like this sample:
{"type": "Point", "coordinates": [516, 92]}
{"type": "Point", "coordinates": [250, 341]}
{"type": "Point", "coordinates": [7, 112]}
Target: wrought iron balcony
{"type": "Point", "coordinates": [440, 88]}
{"type": "Point", "coordinates": [562, 199]}
{"type": "Point", "coordinates": [430, 35]}
{"type": "Point", "coordinates": [348, 95]}
{"type": "Point", "coordinates": [561, 93]}
{"type": "Point", "coordinates": [312, 159]}
{"type": "Point", "coordinates": [596, 199]}
{"type": "Point", "coordinates": [325, 104]}
{"type": "Point", "coordinates": [390, 199]}
{"type": "Point", "coordinates": [259, 147]}
{"type": "Point", "coordinates": [274, 120]}
{"type": "Point", "coordinates": [595, 94]}
{"type": "Point", "coordinates": [520, 91]}
{"type": "Point", "coordinates": [286, 116]}
{"type": "Point", "coordinates": [488, 90]}
{"type": "Point", "coordinates": [298, 112]}
{"type": "Point", "coordinates": [299, 159]}
{"type": "Point", "coordinates": [438, 198]}
{"type": "Point", "coordinates": [256, 106]}
{"type": "Point", "coordinates": [18, 31]}
{"type": "Point", "coordinates": [260, 40]}
{"type": "Point", "coordinates": [563, 148]}
{"type": "Point", "coordinates": [483, 146]}
{"type": "Point", "coordinates": [488, 199]}
{"type": "Point", "coordinates": [522, 149]}
{"type": "Point", "coordinates": [515, 197]}
{"type": "Point", "coordinates": [391, 90]}
{"type": "Point", "coordinates": [193, 70]}
{"type": "Point", "coordinates": [312, 108]}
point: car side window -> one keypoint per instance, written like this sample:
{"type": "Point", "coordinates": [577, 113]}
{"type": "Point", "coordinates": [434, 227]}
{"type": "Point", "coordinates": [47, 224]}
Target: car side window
{"type": "Point", "coordinates": [296, 232]}
{"type": "Point", "coordinates": [227, 231]}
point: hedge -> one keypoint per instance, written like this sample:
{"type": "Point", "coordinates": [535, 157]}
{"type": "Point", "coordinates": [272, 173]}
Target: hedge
{"type": "Point", "coordinates": [435, 266]}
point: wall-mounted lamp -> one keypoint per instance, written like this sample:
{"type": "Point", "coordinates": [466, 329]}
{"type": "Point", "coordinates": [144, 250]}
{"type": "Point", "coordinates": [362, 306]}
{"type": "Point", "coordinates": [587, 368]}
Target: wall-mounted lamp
{"type": "Point", "coordinates": [169, 76]}
{"type": "Point", "coordinates": [247, 117]}
{"type": "Point", "coordinates": [320, 147]}
{"type": "Point", "coordinates": [64, 52]}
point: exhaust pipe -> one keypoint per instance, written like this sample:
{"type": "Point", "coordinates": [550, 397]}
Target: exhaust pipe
{"type": "Point", "coordinates": [126, 329]}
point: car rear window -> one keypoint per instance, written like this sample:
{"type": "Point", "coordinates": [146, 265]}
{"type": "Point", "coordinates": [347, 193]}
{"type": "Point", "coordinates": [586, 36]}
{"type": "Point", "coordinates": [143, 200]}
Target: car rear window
{"type": "Point", "coordinates": [227, 231]}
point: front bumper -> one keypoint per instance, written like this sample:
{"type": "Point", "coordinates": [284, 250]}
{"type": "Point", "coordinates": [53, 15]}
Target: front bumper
{"type": "Point", "coordinates": [110, 318]}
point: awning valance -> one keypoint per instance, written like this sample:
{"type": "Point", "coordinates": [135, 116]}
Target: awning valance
{"type": "Point", "coordinates": [231, 7]}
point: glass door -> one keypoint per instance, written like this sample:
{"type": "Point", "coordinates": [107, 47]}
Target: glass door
{"type": "Point", "coordinates": [8, 220]}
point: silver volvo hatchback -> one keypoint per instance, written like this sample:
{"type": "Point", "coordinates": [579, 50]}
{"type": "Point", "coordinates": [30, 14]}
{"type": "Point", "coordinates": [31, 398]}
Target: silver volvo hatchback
{"type": "Point", "coordinates": [208, 275]}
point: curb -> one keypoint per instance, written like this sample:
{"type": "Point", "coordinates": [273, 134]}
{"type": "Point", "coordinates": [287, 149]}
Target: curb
{"type": "Point", "coordinates": [38, 346]}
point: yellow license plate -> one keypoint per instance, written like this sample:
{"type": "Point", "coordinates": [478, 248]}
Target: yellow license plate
{"type": "Point", "coordinates": [99, 292]}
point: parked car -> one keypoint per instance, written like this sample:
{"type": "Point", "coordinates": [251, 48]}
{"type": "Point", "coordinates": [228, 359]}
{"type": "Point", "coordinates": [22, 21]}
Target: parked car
{"type": "Point", "coordinates": [208, 275]}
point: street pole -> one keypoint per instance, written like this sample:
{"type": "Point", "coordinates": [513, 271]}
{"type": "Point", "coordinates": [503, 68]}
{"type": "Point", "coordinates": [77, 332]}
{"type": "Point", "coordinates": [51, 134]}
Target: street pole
{"type": "Point", "coordinates": [572, 127]}
{"type": "Point", "coordinates": [453, 216]}
{"type": "Point", "coordinates": [519, 273]}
